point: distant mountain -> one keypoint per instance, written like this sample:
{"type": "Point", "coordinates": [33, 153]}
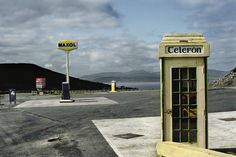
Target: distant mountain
{"type": "Point", "coordinates": [132, 76]}
{"type": "Point", "coordinates": [22, 77]}
{"type": "Point", "coordinates": [229, 80]}
{"type": "Point", "coordinates": [139, 76]}
{"type": "Point", "coordinates": [215, 74]}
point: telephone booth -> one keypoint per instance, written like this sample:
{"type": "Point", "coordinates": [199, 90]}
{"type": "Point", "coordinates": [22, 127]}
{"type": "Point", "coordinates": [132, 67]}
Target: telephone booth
{"type": "Point", "coordinates": [183, 62]}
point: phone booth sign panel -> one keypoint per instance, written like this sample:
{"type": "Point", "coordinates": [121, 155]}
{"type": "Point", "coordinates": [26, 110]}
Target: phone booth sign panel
{"type": "Point", "coordinates": [183, 60]}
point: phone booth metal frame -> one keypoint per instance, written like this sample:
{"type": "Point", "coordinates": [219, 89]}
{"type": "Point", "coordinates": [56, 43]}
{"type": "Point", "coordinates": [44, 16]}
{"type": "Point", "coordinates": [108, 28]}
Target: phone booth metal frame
{"type": "Point", "coordinates": [183, 62]}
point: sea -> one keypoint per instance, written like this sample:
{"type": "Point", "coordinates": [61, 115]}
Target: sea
{"type": "Point", "coordinates": [140, 85]}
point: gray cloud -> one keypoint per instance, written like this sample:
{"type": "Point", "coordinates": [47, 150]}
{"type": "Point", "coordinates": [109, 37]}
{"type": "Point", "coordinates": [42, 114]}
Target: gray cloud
{"type": "Point", "coordinates": [217, 20]}
{"type": "Point", "coordinates": [57, 13]}
{"type": "Point", "coordinates": [107, 55]}
{"type": "Point", "coordinates": [30, 30]}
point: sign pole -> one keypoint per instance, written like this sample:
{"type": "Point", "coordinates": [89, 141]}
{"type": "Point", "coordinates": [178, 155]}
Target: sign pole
{"type": "Point", "coordinates": [67, 67]}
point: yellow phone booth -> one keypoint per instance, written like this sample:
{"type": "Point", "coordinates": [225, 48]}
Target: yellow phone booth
{"type": "Point", "coordinates": [183, 61]}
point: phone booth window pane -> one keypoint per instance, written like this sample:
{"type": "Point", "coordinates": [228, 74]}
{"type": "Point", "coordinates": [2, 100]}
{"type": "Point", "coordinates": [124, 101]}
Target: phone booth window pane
{"type": "Point", "coordinates": [175, 73]}
{"type": "Point", "coordinates": [175, 98]}
{"type": "Point", "coordinates": [184, 123]}
{"type": "Point", "coordinates": [184, 98]}
{"type": "Point", "coordinates": [193, 136]}
{"type": "Point", "coordinates": [193, 123]}
{"type": "Point", "coordinates": [192, 99]}
{"type": "Point", "coordinates": [184, 86]}
{"type": "Point", "coordinates": [192, 73]}
{"type": "Point", "coordinates": [192, 86]}
{"type": "Point", "coordinates": [176, 136]}
{"type": "Point", "coordinates": [175, 86]}
{"type": "Point", "coordinates": [183, 73]}
{"type": "Point", "coordinates": [175, 111]}
{"type": "Point", "coordinates": [184, 112]}
{"type": "Point", "coordinates": [193, 111]}
{"type": "Point", "coordinates": [176, 124]}
{"type": "Point", "coordinates": [184, 136]}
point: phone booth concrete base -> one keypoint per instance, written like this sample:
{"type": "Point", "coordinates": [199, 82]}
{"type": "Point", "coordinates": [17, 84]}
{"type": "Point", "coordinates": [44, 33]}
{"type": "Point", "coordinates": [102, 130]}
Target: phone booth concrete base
{"type": "Point", "coordinates": [183, 61]}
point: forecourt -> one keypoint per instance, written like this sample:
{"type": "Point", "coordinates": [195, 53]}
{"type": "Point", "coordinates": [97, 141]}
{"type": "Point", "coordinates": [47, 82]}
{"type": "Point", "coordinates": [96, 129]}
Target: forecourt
{"type": "Point", "coordinates": [71, 130]}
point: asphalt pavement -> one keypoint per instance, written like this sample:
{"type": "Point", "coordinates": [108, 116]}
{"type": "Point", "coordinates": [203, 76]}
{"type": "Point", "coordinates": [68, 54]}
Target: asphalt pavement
{"type": "Point", "coordinates": [69, 131]}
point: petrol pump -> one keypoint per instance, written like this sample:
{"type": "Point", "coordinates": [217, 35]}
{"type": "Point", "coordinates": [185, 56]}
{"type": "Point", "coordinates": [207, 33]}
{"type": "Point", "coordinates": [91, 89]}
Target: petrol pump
{"type": "Point", "coordinates": [113, 86]}
{"type": "Point", "coordinates": [183, 62]}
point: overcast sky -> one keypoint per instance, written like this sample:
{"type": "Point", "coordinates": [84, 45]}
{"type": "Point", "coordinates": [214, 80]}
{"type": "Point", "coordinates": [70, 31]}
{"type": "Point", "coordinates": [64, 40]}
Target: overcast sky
{"type": "Point", "coordinates": [113, 35]}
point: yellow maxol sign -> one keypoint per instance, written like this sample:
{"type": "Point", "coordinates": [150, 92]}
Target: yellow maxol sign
{"type": "Point", "coordinates": [67, 45]}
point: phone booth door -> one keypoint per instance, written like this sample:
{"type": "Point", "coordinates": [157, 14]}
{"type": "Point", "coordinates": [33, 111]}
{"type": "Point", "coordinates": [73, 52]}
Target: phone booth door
{"type": "Point", "coordinates": [185, 104]}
